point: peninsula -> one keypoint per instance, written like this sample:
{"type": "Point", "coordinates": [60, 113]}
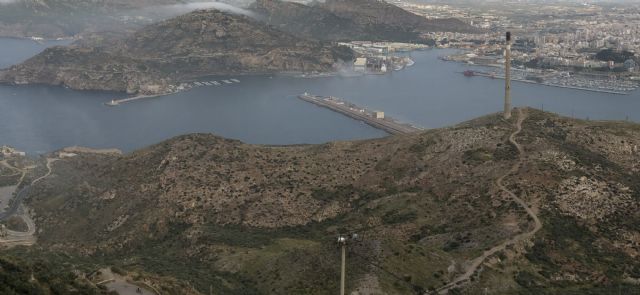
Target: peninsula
{"type": "Point", "coordinates": [158, 58]}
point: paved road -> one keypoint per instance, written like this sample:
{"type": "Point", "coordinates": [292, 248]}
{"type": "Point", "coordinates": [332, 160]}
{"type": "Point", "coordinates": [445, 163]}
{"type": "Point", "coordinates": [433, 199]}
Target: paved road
{"type": "Point", "coordinates": [6, 194]}
{"type": "Point", "coordinates": [13, 209]}
{"type": "Point", "coordinates": [15, 238]}
{"type": "Point", "coordinates": [118, 283]}
{"type": "Point", "coordinates": [477, 262]}
{"type": "Point", "coordinates": [125, 288]}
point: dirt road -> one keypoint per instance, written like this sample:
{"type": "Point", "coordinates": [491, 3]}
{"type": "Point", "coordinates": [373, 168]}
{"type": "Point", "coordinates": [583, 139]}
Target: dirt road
{"type": "Point", "coordinates": [478, 261]}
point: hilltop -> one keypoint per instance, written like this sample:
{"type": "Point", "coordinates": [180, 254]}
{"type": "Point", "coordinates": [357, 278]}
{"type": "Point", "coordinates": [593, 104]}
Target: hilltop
{"type": "Point", "coordinates": [156, 58]}
{"type": "Point", "coordinates": [540, 204]}
{"type": "Point", "coordinates": [348, 20]}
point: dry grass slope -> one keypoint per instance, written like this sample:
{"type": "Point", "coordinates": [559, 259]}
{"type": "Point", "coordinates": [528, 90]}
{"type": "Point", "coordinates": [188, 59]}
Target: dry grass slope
{"type": "Point", "coordinates": [245, 219]}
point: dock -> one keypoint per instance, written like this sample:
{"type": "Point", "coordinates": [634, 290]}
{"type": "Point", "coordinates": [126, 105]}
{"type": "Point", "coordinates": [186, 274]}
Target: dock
{"type": "Point", "coordinates": [372, 118]}
{"type": "Point", "coordinates": [116, 102]}
{"type": "Point", "coordinates": [179, 88]}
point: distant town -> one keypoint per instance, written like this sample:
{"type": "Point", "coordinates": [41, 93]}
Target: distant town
{"type": "Point", "coordinates": [577, 45]}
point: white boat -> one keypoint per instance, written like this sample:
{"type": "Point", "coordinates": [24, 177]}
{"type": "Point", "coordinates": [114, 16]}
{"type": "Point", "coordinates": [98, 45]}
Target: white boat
{"type": "Point", "coordinates": [410, 62]}
{"type": "Point", "coordinates": [235, 80]}
{"type": "Point", "coordinates": [227, 81]}
{"type": "Point", "coordinates": [112, 103]}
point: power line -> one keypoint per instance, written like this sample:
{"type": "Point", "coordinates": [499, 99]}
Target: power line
{"type": "Point", "coordinates": [357, 239]}
{"type": "Point", "coordinates": [416, 288]}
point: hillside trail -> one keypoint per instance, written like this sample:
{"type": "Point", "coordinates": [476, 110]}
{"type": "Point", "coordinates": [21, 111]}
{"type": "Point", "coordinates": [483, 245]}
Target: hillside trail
{"type": "Point", "coordinates": [50, 161]}
{"type": "Point", "coordinates": [478, 261]}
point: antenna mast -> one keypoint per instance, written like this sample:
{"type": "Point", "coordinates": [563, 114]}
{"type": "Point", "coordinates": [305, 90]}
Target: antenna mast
{"type": "Point", "coordinates": [507, 78]}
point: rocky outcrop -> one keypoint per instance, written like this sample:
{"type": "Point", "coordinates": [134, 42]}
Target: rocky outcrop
{"type": "Point", "coordinates": [151, 60]}
{"type": "Point", "coordinates": [87, 69]}
{"type": "Point", "coordinates": [591, 199]}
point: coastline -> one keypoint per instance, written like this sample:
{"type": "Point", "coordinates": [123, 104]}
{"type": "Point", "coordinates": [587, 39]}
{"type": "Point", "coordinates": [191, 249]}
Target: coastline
{"type": "Point", "coordinates": [39, 39]}
{"type": "Point", "coordinates": [186, 86]}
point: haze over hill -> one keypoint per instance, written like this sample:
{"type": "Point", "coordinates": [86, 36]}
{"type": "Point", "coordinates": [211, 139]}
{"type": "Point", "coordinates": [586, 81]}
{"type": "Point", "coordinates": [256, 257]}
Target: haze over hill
{"type": "Point", "coordinates": [66, 18]}
{"type": "Point", "coordinates": [540, 204]}
{"type": "Point", "coordinates": [155, 59]}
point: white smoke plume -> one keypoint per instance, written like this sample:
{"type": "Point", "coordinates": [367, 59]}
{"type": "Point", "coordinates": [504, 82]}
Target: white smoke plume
{"type": "Point", "coordinates": [176, 9]}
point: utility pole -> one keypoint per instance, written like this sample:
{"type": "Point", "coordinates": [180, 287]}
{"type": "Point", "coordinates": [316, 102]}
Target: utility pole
{"type": "Point", "coordinates": [343, 245]}
{"type": "Point", "coordinates": [342, 242]}
{"type": "Point", "coordinates": [507, 79]}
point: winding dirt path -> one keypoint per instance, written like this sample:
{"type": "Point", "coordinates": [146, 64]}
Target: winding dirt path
{"type": "Point", "coordinates": [478, 261]}
{"type": "Point", "coordinates": [49, 170]}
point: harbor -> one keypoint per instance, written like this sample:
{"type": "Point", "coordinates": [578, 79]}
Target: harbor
{"type": "Point", "coordinates": [261, 109]}
{"type": "Point", "coordinates": [375, 119]}
{"type": "Point", "coordinates": [470, 73]}
{"type": "Point", "coordinates": [180, 88]}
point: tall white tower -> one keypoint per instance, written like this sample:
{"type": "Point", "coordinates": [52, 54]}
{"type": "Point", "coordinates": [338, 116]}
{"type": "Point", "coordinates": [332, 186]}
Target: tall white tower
{"type": "Point", "coordinates": [507, 78]}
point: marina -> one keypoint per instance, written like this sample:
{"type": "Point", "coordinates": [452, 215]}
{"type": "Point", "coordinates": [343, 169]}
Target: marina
{"type": "Point", "coordinates": [522, 80]}
{"type": "Point", "coordinates": [374, 119]}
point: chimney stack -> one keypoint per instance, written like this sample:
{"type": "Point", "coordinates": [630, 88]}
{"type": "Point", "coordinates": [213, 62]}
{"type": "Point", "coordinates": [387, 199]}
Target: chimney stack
{"type": "Point", "coordinates": [507, 78]}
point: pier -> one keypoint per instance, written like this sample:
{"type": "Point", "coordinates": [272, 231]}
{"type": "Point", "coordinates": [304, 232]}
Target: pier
{"type": "Point", "coordinates": [115, 102]}
{"type": "Point", "coordinates": [374, 119]}
{"type": "Point", "coordinates": [180, 88]}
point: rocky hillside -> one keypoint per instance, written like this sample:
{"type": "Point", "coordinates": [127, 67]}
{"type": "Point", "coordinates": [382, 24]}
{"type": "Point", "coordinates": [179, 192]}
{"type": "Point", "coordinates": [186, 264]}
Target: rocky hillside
{"type": "Point", "coordinates": [381, 12]}
{"type": "Point", "coordinates": [205, 42]}
{"type": "Point", "coordinates": [541, 204]}
{"type": "Point", "coordinates": [346, 20]}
